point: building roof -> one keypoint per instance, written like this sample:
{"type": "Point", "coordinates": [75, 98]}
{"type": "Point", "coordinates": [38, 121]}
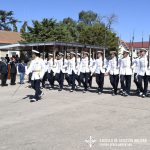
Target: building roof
{"type": "Point", "coordinates": [9, 37]}
{"type": "Point", "coordinates": [145, 44]}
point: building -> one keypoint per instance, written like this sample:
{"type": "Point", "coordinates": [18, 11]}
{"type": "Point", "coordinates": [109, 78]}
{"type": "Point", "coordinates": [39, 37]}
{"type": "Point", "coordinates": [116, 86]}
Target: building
{"type": "Point", "coordinates": [9, 38]}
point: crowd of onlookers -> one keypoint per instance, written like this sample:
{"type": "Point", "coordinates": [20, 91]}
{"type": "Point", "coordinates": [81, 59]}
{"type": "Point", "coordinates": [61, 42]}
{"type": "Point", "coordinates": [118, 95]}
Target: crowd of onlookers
{"type": "Point", "coordinates": [10, 67]}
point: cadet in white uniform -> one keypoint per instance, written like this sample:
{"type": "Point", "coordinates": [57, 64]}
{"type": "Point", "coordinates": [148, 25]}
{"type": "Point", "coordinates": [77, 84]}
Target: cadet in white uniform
{"type": "Point", "coordinates": [85, 70]}
{"type": "Point", "coordinates": [125, 73]}
{"type": "Point", "coordinates": [100, 67]}
{"type": "Point", "coordinates": [113, 71]}
{"type": "Point", "coordinates": [61, 70]}
{"type": "Point", "coordinates": [67, 76]}
{"type": "Point", "coordinates": [46, 69]}
{"type": "Point", "coordinates": [78, 59]}
{"type": "Point", "coordinates": [72, 70]}
{"type": "Point", "coordinates": [37, 68]}
{"type": "Point", "coordinates": [52, 62]}
{"type": "Point", "coordinates": [144, 72]}
{"type": "Point", "coordinates": [136, 70]}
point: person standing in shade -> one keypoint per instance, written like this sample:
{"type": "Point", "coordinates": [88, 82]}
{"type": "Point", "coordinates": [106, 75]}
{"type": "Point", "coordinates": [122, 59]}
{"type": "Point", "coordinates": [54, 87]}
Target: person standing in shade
{"type": "Point", "coordinates": [21, 70]}
{"type": "Point", "coordinates": [125, 66]}
{"type": "Point", "coordinates": [13, 71]}
{"type": "Point", "coordinates": [37, 68]}
{"type": "Point", "coordinates": [144, 72]}
{"type": "Point", "coordinates": [113, 71]}
{"type": "Point", "coordinates": [100, 66]}
{"type": "Point", "coordinates": [3, 72]}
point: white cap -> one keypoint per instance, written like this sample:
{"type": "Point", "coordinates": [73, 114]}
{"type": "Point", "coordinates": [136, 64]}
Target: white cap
{"type": "Point", "coordinates": [100, 52]}
{"type": "Point", "coordinates": [50, 54]}
{"type": "Point", "coordinates": [78, 54]}
{"type": "Point", "coordinates": [86, 53]}
{"type": "Point", "coordinates": [127, 51]}
{"type": "Point", "coordinates": [143, 49]}
{"type": "Point", "coordinates": [73, 53]}
{"type": "Point", "coordinates": [35, 51]}
{"type": "Point", "coordinates": [61, 54]}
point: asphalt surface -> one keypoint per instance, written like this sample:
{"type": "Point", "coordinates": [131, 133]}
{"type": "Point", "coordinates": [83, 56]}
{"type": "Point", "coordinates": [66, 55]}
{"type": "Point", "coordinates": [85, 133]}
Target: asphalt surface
{"type": "Point", "coordinates": [73, 121]}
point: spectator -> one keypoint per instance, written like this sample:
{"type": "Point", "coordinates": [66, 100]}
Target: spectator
{"type": "Point", "coordinates": [21, 70]}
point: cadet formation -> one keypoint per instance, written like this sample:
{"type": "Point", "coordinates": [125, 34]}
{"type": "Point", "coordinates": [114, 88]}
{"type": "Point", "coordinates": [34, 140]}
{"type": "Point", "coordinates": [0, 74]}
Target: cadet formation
{"type": "Point", "coordinates": [78, 69]}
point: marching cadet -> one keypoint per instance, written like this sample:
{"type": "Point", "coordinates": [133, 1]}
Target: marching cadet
{"type": "Point", "coordinates": [144, 72]}
{"type": "Point", "coordinates": [37, 67]}
{"type": "Point", "coordinates": [78, 60]}
{"type": "Point", "coordinates": [113, 71]}
{"type": "Point", "coordinates": [3, 72]}
{"type": "Point", "coordinates": [13, 72]}
{"type": "Point", "coordinates": [91, 72]}
{"type": "Point", "coordinates": [46, 69]}
{"type": "Point", "coordinates": [136, 70]}
{"type": "Point", "coordinates": [51, 70]}
{"type": "Point", "coordinates": [85, 70]}
{"type": "Point", "coordinates": [72, 70]}
{"type": "Point", "coordinates": [125, 73]}
{"type": "Point", "coordinates": [61, 70]}
{"type": "Point", "coordinates": [100, 66]}
{"type": "Point", "coordinates": [67, 76]}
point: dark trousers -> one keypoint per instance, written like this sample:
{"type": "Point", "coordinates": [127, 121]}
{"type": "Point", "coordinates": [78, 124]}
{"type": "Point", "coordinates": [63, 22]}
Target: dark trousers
{"type": "Point", "coordinates": [13, 78]}
{"type": "Point", "coordinates": [125, 81]}
{"type": "Point", "coordinates": [44, 79]}
{"type": "Point", "coordinates": [72, 79]}
{"type": "Point", "coordinates": [90, 80]}
{"type": "Point", "coordinates": [100, 81]}
{"type": "Point", "coordinates": [3, 78]}
{"type": "Point", "coordinates": [77, 77]}
{"type": "Point", "coordinates": [84, 77]}
{"type": "Point", "coordinates": [36, 86]}
{"type": "Point", "coordinates": [136, 81]}
{"type": "Point", "coordinates": [50, 77]}
{"type": "Point", "coordinates": [60, 79]}
{"type": "Point", "coordinates": [67, 78]}
{"type": "Point", "coordinates": [29, 78]}
{"type": "Point", "coordinates": [145, 79]}
{"type": "Point", "coordinates": [114, 80]}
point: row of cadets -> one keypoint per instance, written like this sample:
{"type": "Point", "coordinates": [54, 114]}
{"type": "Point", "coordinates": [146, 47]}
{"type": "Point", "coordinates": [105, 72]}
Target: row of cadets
{"type": "Point", "coordinates": [37, 68]}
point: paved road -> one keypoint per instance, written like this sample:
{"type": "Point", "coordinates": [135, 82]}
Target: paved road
{"type": "Point", "coordinates": [64, 120]}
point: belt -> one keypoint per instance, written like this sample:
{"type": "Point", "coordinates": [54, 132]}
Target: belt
{"type": "Point", "coordinates": [36, 70]}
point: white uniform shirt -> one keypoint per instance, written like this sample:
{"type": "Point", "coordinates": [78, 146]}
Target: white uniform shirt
{"type": "Point", "coordinates": [136, 65]}
{"type": "Point", "coordinates": [125, 66]}
{"type": "Point", "coordinates": [72, 66]}
{"type": "Point", "coordinates": [143, 66]}
{"type": "Point", "coordinates": [60, 66]}
{"type": "Point", "coordinates": [52, 65]}
{"type": "Point", "coordinates": [112, 68]}
{"type": "Point", "coordinates": [99, 66]}
{"type": "Point", "coordinates": [37, 68]}
{"type": "Point", "coordinates": [84, 65]}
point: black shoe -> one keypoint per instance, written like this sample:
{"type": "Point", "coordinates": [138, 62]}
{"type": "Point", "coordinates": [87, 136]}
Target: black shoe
{"type": "Point", "coordinates": [33, 100]}
{"type": "Point", "coordinates": [84, 91]}
{"type": "Point", "coordinates": [71, 90]}
{"type": "Point", "coordinates": [59, 89]}
{"type": "Point", "coordinates": [143, 96]}
{"type": "Point", "coordinates": [99, 93]}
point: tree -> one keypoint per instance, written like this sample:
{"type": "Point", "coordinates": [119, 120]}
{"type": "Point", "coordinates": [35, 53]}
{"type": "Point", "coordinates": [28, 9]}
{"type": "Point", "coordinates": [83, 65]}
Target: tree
{"type": "Point", "coordinates": [88, 17]}
{"type": "Point", "coordinates": [23, 28]}
{"type": "Point", "coordinates": [7, 21]}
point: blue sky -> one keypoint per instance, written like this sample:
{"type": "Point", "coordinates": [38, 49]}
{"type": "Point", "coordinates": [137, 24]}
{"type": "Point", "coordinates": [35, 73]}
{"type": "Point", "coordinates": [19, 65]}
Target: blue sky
{"type": "Point", "coordinates": [133, 15]}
